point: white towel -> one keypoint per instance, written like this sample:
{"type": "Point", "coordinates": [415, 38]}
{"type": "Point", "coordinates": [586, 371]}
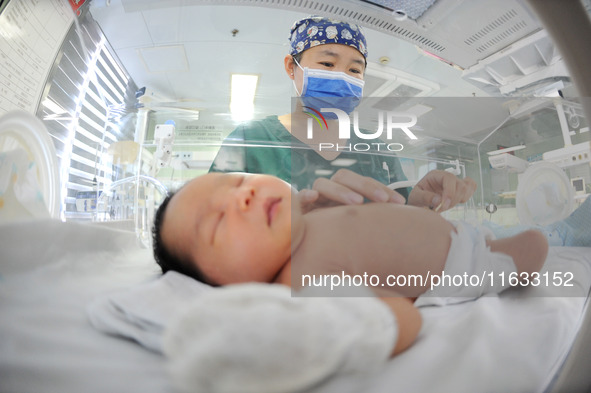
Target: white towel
{"type": "Point", "coordinates": [250, 337]}
{"type": "Point", "coordinates": [258, 338]}
{"type": "Point", "coordinates": [142, 312]}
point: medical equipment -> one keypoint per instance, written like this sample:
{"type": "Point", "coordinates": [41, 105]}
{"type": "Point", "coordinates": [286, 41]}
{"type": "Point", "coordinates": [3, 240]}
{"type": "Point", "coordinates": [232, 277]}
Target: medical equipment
{"type": "Point", "coordinates": [570, 155]}
{"type": "Point", "coordinates": [490, 208]}
{"type": "Point", "coordinates": [544, 195]}
{"type": "Point", "coordinates": [19, 129]}
{"type": "Point", "coordinates": [578, 185]}
{"type": "Point", "coordinates": [532, 177]}
{"type": "Point", "coordinates": [507, 161]}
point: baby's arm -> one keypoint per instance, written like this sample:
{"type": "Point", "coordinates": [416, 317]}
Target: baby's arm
{"type": "Point", "coordinates": [408, 319]}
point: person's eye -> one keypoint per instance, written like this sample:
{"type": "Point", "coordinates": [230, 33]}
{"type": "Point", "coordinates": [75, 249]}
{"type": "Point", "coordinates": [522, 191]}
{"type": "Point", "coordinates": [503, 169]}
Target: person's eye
{"type": "Point", "coordinates": [327, 64]}
{"type": "Point", "coordinates": [216, 225]}
{"type": "Point", "coordinates": [355, 71]}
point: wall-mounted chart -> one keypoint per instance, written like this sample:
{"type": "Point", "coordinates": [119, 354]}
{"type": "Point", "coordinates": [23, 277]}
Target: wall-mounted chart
{"type": "Point", "coordinates": [31, 33]}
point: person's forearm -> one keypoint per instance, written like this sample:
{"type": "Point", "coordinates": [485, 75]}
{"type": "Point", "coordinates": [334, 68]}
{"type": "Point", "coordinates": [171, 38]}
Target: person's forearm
{"type": "Point", "coordinates": [409, 321]}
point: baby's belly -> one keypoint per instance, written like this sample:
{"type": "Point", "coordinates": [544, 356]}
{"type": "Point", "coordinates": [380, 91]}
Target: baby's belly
{"type": "Point", "coordinates": [392, 249]}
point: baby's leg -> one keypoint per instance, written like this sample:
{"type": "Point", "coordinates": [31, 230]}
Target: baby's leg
{"type": "Point", "coordinates": [528, 250]}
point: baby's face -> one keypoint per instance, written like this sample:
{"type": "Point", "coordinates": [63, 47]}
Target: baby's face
{"type": "Point", "coordinates": [236, 227]}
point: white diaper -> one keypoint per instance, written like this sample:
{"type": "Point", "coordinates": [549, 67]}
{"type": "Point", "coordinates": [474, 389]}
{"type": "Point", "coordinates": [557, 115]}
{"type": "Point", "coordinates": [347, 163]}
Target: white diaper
{"type": "Point", "coordinates": [471, 269]}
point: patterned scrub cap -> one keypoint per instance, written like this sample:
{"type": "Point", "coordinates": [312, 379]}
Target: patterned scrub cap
{"type": "Point", "coordinates": [317, 30]}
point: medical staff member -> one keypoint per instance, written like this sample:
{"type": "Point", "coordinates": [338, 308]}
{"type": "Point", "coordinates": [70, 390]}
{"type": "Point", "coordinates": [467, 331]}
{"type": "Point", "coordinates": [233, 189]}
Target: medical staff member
{"type": "Point", "coordinates": [326, 63]}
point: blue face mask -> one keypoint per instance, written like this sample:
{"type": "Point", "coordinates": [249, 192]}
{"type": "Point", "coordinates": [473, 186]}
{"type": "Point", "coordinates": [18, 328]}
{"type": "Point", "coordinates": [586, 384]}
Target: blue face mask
{"type": "Point", "coordinates": [330, 89]}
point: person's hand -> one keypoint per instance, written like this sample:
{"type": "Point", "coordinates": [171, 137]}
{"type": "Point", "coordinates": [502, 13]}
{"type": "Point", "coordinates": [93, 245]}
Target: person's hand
{"type": "Point", "coordinates": [441, 190]}
{"type": "Point", "coordinates": [346, 188]}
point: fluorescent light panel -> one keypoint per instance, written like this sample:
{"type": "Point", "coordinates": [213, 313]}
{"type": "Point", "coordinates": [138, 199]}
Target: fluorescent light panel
{"type": "Point", "coordinates": [243, 88]}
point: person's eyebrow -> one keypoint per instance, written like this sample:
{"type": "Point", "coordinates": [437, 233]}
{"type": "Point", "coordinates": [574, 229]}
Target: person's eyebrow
{"type": "Point", "coordinates": [211, 218]}
{"type": "Point", "coordinates": [200, 221]}
{"type": "Point", "coordinates": [329, 52]}
{"type": "Point", "coordinates": [214, 226]}
{"type": "Point", "coordinates": [359, 61]}
{"type": "Point", "coordinates": [231, 178]}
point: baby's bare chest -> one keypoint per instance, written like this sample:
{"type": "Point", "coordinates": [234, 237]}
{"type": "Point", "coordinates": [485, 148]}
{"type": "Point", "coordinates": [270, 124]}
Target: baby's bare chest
{"type": "Point", "coordinates": [345, 242]}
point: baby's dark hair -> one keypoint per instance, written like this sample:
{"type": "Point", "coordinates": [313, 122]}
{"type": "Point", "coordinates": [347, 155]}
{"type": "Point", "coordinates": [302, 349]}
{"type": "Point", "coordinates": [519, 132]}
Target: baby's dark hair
{"type": "Point", "coordinates": [166, 259]}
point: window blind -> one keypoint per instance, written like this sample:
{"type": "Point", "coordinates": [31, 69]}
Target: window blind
{"type": "Point", "coordinates": [85, 108]}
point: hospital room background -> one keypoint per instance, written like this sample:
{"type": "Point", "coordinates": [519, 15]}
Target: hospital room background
{"type": "Point", "coordinates": [107, 105]}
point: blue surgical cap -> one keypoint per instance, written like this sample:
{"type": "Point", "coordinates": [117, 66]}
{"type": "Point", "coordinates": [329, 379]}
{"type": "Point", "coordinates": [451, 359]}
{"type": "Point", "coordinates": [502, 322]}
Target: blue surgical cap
{"type": "Point", "coordinates": [317, 30]}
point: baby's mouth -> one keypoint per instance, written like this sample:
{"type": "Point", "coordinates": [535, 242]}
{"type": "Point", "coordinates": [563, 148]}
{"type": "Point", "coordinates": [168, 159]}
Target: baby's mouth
{"type": "Point", "coordinates": [271, 206]}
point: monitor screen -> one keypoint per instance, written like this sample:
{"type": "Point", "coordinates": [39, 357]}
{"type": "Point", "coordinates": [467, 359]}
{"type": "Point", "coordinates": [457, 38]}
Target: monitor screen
{"type": "Point", "coordinates": [578, 184]}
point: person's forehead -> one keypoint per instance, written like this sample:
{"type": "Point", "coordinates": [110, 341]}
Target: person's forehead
{"type": "Point", "coordinates": [208, 182]}
{"type": "Point", "coordinates": [336, 50]}
{"type": "Point", "coordinates": [198, 186]}
{"type": "Point", "coordinates": [192, 198]}
{"type": "Point", "coordinates": [202, 189]}
{"type": "Point", "coordinates": [191, 204]}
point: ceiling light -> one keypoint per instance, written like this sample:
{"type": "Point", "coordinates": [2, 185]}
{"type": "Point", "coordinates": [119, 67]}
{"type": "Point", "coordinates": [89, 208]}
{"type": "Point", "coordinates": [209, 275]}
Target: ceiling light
{"type": "Point", "coordinates": [243, 89]}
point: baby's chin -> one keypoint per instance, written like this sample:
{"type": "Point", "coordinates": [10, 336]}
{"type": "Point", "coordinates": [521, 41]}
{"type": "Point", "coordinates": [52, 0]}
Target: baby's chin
{"type": "Point", "coordinates": [293, 194]}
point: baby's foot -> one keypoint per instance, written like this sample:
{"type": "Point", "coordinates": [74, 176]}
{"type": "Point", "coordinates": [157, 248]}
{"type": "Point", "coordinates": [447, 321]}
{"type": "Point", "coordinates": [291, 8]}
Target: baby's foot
{"type": "Point", "coordinates": [528, 250]}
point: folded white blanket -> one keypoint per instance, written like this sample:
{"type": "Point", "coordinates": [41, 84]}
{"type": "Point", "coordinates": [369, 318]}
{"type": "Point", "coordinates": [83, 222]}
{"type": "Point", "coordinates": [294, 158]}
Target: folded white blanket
{"type": "Point", "coordinates": [249, 337]}
{"type": "Point", "coordinates": [258, 338]}
{"type": "Point", "coordinates": [142, 312]}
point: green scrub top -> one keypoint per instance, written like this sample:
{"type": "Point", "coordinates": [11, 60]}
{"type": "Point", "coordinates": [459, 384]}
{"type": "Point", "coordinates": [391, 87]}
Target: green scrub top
{"type": "Point", "coordinates": [267, 147]}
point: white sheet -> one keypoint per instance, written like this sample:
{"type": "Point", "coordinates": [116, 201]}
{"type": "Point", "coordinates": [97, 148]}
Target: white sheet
{"type": "Point", "coordinates": [50, 271]}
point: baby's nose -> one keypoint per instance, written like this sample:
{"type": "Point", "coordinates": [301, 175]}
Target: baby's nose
{"type": "Point", "coordinates": [245, 196]}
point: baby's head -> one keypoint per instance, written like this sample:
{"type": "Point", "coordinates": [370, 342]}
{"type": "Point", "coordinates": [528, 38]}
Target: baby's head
{"type": "Point", "coordinates": [225, 228]}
